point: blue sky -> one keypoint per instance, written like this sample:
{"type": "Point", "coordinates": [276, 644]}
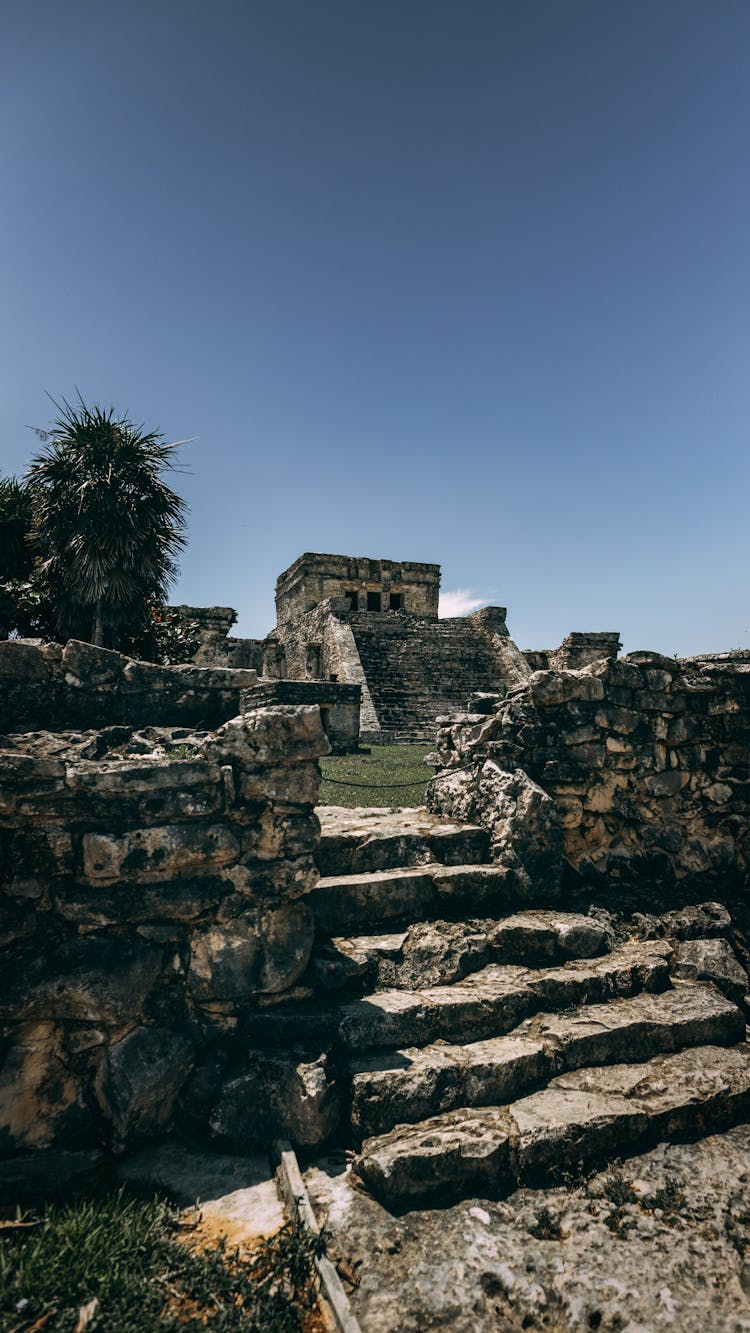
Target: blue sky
{"type": "Point", "coordinates": [463, 282]}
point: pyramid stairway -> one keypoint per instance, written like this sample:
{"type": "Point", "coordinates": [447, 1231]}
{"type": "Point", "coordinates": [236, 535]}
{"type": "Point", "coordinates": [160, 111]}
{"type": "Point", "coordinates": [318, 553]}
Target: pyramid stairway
{"type": "Point", "coordinates": [482, 1040]}
{"type": "Point", "coordinates": [419, 669]}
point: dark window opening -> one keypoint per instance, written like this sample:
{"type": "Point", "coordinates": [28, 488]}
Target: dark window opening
{"type": "Point", "coordinates": [352, 599]}
{"type": "Point", "coordinates": [373, 601]}
{"type": "Point", "coordinates": [324, 719]}
{"type": "Point", "coordinates": [396, 601]}
{"type": "Point", "coordinates": [313, 659]}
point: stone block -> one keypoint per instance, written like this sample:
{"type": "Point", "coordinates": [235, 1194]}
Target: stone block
{"type": "Point", "coordinates": [92, 665]}
{"type": "Point", "coordinates": [293, 1095]}
{"type": "Point", "coordinates": [99, 979]}
{"type": "Point", "coordinates": [22, 661]}
{"type": "Point", "coordinates": [135, 776]}
{"type": "Point", "coordinates": [162, 850]}
{"type": "Point", "coordinates": [712, 960]}
{"type": "Point", "coordinates": [142, 1076]}
{"type": "Point", "coordinates": [667, 783]}
{"type": "Point", "coordinates": [41, 1101]}
{"type": "Point", "coordinates": [267, 736]}
{"type": "Point", "coordinates": [291, 784]}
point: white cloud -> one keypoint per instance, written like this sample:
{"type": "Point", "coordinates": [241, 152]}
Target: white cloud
{"type": "Point", "coordinates": [459, 602]}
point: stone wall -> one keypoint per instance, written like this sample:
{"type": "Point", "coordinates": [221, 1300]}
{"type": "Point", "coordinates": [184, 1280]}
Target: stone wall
{"type": "Point", "coordinates": [210, 626]}
{"type": "Point", "coordinates": [632, 767]}
{"type": "Point", "coordinates": [578, 649]}
{"type": "Point", "coordinates": [339, 706]}
{"type": "Point", "coordinates": [151, 899]}
{"type": "Point", "coordinates": [44, 686]}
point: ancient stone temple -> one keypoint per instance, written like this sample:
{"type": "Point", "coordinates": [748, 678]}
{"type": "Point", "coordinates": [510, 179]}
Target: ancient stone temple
{"type": "Point", "coordinates": [375, 623]}
{"type": "Point", "coordinates": [349, 621]}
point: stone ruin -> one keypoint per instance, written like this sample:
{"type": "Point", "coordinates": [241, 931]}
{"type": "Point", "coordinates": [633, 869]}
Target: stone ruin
{"type": "Point", "coordinates": [542, 972]}
{"type": "Point", "coordinates": [164, 923]}
{"type": "Point", "coordinates": [374, 624]}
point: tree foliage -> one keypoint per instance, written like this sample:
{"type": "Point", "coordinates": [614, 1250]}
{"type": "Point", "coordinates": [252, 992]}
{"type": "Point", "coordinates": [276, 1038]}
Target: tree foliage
{"type": "Point", "coordinates": [25, 606]}
{"type": "Point", "coordinates": [106, 527]}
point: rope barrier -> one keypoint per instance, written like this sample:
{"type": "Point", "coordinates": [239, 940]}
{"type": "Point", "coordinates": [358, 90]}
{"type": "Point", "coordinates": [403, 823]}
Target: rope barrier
{"type": "Point", "coordinates": [372, 786]}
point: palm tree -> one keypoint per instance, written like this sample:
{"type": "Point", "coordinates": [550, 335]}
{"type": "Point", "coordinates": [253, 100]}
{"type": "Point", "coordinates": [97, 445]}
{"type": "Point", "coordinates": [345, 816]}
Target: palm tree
{"type": "Point", "coordinates": [106, 525]}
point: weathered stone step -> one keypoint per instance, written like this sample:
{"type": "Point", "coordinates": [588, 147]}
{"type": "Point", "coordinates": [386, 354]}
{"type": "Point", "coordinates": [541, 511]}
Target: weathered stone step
{"type": "Point", "coordinates": [362, 839]}
{"type": "Point", "coordinates": [359, 903]}
{"type": "Point", "coordinates": [487, 1004]}
{"type": "Point", "coordinates": [410, 1085]}
{"type": "Point", "coordinates": [581, 1119]}
{"type": "Point", "coordinates": [437, 953]}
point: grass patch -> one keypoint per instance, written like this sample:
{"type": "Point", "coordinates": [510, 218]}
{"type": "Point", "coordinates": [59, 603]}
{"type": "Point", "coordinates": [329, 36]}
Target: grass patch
{"type": "Point", "coordinates": [119, 1256]}
{"type": "Point", "coordinates": [389, 775]}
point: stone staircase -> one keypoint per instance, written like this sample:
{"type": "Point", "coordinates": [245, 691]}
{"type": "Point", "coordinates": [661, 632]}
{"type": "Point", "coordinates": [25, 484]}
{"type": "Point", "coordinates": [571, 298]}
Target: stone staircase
{"type": "Point", "coordinates": [419, 669]}
{"type": "Point", "coordinates": [481, 1041]}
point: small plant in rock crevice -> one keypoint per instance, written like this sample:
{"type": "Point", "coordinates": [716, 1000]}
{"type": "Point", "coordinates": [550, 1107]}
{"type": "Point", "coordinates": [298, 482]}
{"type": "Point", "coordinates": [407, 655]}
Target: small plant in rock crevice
{"type": "Point", "coordinates": [546, 1226]}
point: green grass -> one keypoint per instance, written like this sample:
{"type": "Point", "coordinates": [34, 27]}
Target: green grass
{"type": "Point", "coordinates": [390, 775]}
{"type": "Point", "coordinates": [123, 1252]}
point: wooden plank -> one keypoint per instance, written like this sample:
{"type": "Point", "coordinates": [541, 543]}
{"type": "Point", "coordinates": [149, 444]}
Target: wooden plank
{"type": "Point", "coordinates": [297, 1201]}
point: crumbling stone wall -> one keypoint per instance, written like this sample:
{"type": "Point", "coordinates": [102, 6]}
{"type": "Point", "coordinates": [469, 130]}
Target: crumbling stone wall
{"type": "Point", "coordinates": [578, 649]}
{"type": "Point", "coordinates": [151, 899]}
{"type": "Point", "coordinates": [637, 766]}
{"type": "Point", "coordinates": [45, 686]}
{"type": "Point", "coordinates": [209, 626]}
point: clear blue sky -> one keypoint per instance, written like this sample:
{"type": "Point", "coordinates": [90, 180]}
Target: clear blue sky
{"type": "Point", "coordinates": [461, 281]}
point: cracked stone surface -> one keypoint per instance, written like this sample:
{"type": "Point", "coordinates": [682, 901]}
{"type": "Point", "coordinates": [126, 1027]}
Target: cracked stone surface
{"type": "Point", "coordinates": [671, 1262]}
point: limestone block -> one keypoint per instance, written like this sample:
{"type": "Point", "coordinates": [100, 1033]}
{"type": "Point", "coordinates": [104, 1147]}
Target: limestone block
{"type": "Point", "coordinates": [267, 736]}
{"type": "Point", "coordinates": [34, 858]}
{"type": "Point", "coordinates": [712, 960]}
{"type": "Point", "coordinates": [287, 935]}
{"type": "Point", "coordinates": [183, 899]}
{"type": "Point", "coordinates": [257, 952]}
{"type": "Point", "coordinates": [657, 701]}
{"type": "Point", "coordinates": [523, 820]}
{"type": "Point", "coordinates": [41, 1102]}
{"type": "Point", "coordinates": [131, 776]}
{"type": "Point", "coordinates": [668, 783]}
{"type": "Point", "coordinates": [718, 793]}
{"type": "Point", "coordinates": [25, 770]}
{"type": "Point", "coordinates": [291, 1095]}
{"type": "Point", "coordinates": [225, 960]}
{"type": "Point", "coordinates": [147, 676]}
{"type": "Point", "coordinates": [22, 661]}
{"type": "Point", "coordinates": [280, 834]}
{"type": "Point", "coordinates": [95, 979]}
{"type": "Point", "coordinates": [617, 746]}
{"type": "Point", "coordinates": [141, 1078]}
{"type": "Point", "coordinates": [293, 784]}
{"type": "Point", "coordinates": [202, 678]}
{"type": "Point", "coordinates": [623, 721]}
{"type": "Point", "coordinates": [162, 850]}
{"type": "Point", "coordinates": [571, 812]}
{"type": "Point", "coordinates": [557, 687]}
{"type": "Point", "coordinates": [91, 665]}
{"type": "Point", "coordinates": [602, 795]}
{"type": "Point", "coordinates": [261, 880]}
